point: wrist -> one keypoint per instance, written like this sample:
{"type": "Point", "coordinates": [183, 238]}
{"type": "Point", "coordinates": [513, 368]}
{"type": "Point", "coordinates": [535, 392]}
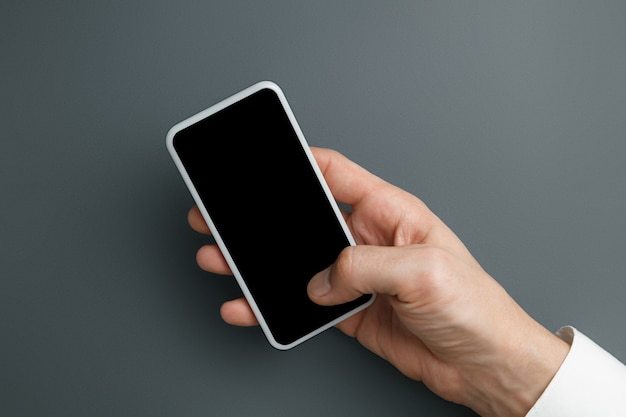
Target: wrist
{"type": "Point", "coordinates": [514, 379]}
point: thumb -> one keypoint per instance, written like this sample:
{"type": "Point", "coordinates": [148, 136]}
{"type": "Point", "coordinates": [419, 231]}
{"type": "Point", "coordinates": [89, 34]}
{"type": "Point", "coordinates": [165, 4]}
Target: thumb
{"type": "Point", "coordinates": [365, 269]}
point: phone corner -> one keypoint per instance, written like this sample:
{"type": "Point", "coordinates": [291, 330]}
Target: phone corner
{"type": "Point", "coordinates": [370, 301]}
{"type": "Point", "coordinates": [269, 84]}
{"type": "Point", "coordinates": [279, 346]}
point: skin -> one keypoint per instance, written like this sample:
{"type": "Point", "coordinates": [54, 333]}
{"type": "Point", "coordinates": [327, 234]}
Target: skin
{"type": "Point", "coordinates": [438, 316]}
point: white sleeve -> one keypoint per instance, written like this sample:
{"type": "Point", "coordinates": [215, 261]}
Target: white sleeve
{"type": "Point", "coordinates": [590, 382]}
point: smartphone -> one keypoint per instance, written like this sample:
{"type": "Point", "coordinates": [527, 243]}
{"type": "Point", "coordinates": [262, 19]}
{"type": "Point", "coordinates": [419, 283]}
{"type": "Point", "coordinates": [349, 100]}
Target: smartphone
{"type": "Point", "coordinates": [252, 174]}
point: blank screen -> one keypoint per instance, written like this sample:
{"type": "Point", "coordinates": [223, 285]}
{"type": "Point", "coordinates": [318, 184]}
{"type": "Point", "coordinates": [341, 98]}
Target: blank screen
{"type": "Point", "coordinates": [265, 200]}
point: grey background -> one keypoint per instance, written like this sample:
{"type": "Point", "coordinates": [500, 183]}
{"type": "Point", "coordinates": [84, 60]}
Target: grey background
{"type": "Point", "coordinates": [506, 118]}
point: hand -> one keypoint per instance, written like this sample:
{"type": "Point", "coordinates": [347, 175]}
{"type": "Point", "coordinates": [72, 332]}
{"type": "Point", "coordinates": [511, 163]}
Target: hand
{"type": "Point", "coordinates": [438, 317]}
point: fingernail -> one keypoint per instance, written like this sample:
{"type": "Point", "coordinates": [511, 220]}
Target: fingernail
{"type": "Point", "coordinates": [320, 284]}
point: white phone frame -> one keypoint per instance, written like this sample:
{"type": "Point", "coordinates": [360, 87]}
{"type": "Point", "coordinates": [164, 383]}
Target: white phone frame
{"type": "Point", "coordinates": [218, 240]}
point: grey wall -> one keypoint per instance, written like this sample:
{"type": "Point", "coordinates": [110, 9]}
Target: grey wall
{"type": "Point", "coordinates": [507, 118]}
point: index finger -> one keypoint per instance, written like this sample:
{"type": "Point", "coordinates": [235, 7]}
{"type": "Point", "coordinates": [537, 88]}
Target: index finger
{"type": "Point", "coordinates": [348, 181]}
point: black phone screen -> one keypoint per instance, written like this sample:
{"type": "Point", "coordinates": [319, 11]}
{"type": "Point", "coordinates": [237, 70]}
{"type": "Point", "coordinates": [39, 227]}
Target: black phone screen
{"type": "Point", "coordinates": [266, 202]}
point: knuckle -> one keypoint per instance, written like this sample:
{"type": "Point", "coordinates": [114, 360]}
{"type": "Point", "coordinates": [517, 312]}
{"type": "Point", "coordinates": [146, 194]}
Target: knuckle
{"type": "Point", "coordinates": [436, 258]}
{"type": "Point", "coordinates": [436, 268]}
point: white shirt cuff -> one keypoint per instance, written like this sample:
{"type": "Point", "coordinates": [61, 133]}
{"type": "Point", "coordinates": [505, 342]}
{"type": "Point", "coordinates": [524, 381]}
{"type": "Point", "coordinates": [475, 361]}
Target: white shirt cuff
{"type": "Point", "coordinates": [590, 382]}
